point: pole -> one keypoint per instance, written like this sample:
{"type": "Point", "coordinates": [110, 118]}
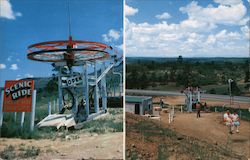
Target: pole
{"type": "Point", "coordinates": [190, 101]}
{"type": "Point", "coordinates": [96, 96]}
{"type": "Point", "coordinates": [1, 110]}
{"type": "Point", "coordinates": [60, 89]}
{"type": "Point", "coordinates": [230, 90]}
{"type": "Point", "coordinates": [86, 87]}
{"type": "Point", "coordinates": [33, 111]}
{"type": "Point", "coordinates": [57, 104]}
{"type": "Point", "coordinates": [22, 119]}
{"type": "Point", "coordinates": [120, 83]}
{"type": "Point", "coordinates": [104, 89]}
{"type": "Point", "coordinates": [54, 106]}
{"type": "Point", "coordinates": [49, 108]}
{"type": "Point", "coordinates": [15, 116]}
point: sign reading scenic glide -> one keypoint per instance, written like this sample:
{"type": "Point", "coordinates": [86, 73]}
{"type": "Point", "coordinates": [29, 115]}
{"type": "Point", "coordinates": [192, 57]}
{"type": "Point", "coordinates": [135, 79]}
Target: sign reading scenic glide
{"type": "Point", "coordinates": [18, 96]}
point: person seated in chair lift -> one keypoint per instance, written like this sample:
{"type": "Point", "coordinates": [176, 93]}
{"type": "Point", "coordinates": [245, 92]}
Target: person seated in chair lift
{"type": "Point", "coordinates": [236, 120]}
{"type": "Point", "coordinates": [228, 121]}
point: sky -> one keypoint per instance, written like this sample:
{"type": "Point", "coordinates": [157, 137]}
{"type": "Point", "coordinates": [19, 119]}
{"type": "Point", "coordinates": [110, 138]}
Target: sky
{"type": "Point", "coordinates": [32, 21]}
{"type": "Point", "coordinates": [201, 28]}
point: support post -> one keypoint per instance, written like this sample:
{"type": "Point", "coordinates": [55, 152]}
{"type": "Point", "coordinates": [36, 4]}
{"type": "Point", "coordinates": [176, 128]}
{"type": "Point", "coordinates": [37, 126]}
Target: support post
{"type": "Point", "coordinates": [120, 83]}
{"type": "Point", "coordinates": [49, 108]}
{"type": "Point", "coordinates": [76, 105]}
{"type": "Point", "coordinates": [96, 96]}
{"type": "Point", "coordinates": [104, 90]}
{"type": "Point", "coordinates": [199, 95]}
{"type": "Point", "coordinates": [86, 87]}
{"type": "Point", "coordinates": [15, 116]}
{"type": "Point", "coordinates": [54, 106]}
{"type": "Point", "coordinates": [60, 89]}
{"type": "Point", "coordinates": [22, 119]}
{"type": "Point", "coordinates": [33, 111]}
{"type": "Point", "coordinates": [57, 105]}
{"type": "Point", "coordinates": [1, 110]}
{"type": "Point", "coordinates": [114, 88]}
{"type": "Point", "coordinates": [190, 101]}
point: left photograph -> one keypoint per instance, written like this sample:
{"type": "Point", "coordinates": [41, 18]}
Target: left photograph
{"type": "Point", "coordinates": [61, 79]}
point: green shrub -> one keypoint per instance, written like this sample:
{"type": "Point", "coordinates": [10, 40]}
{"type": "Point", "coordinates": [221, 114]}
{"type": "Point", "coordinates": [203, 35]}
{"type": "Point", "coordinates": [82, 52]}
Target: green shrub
{"type": "Point", "coordinates": [8, 153]}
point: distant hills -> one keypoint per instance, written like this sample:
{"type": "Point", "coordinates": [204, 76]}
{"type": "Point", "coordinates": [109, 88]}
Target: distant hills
{"type": "Point", "coordinates": [192, 59]}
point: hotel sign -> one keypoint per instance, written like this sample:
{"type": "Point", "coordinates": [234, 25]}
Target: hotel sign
{"type": "Point", "coordinates": [18, 96]}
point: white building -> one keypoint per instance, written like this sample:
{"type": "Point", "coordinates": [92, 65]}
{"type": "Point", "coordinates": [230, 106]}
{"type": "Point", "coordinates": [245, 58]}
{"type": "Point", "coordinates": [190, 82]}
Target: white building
{"type": "Point", "coordinates": [138, 104]}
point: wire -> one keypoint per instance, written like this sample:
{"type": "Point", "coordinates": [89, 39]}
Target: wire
{"type": "Point", "coordinates": [69, 19]}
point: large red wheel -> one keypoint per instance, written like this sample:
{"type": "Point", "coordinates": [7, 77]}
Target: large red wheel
{"type": "Point", "coordinates": [69, 50]}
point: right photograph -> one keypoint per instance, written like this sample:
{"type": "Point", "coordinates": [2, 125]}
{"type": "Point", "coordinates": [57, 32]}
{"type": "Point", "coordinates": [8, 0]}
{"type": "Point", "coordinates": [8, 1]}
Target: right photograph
{"type": "Point", "coordinates": [187, 79]}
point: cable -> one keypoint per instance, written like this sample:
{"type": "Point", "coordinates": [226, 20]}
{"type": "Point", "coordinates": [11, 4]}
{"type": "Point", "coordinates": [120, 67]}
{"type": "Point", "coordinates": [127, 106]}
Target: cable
{"type": "Point", "coordinates": [69, 20]}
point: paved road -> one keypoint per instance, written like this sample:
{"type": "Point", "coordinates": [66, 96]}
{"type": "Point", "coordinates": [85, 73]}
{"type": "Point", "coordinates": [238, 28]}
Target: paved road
{"type": "Point", "coordinates": [238, 99]}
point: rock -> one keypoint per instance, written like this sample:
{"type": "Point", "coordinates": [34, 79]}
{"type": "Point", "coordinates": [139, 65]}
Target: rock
{"type": "Point", "coordinates": [68, 137]}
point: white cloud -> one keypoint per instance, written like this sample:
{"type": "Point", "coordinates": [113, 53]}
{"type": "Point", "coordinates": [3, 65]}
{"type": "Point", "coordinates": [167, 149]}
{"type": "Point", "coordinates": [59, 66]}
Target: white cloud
{"type": "Point", "coordinates": [119, 46]}
{"type": "Point", "coordinates": [112, 35]}
{"type": "Point", "coordinates": [164, 15]}
{"type": "Point", "coordinates": [246, 32]}
{"type": "Point", "coordinates": [200, 34]}
{"type": "Point", "coordinates": [28, 75]}
{"type": "Point", "coordinates": [6, 10]}
{"type": "Point", "coordinates": [130, 11]}
{"type": "Point", "coordinates": [2, 66]}
{"type": "Point", "coordinates": [228, 2]}
{"type": "Point", "coordinates": [14, 67]}
{"type": "Point", "coordinates": [216, 15]}
{"type": "Point", "coordinates": [171, 40]}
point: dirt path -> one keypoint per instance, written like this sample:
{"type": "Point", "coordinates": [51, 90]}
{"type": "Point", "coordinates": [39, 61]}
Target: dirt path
{"type": "Point", "coordinates": [210, 128]}
{"type": "Point", "coordinates": [86, 146]}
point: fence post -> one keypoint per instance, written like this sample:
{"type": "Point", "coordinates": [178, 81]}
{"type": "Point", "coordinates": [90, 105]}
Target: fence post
{"type": "Point", "coordinates": [49, 108]}
{"type": "Point", "coordinates": [57, 105]}
{"type": "Point", "coordinates": [22, 119]}
{"type": "Point", "coordinates": [33, 111]}
{"type": "Point", "coordinates": [15, 116]}
{"type": "Point", "coordinates": [1, 109]}
{"type": "Point", "coordinates": [54, 106]}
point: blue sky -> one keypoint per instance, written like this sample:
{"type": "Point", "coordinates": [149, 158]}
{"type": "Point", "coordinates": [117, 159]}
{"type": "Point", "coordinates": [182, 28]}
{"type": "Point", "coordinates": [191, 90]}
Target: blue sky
{"type": "Point", "coordinates": [31, 21]}
{"type": "Point", "coordinates": [201, 28]}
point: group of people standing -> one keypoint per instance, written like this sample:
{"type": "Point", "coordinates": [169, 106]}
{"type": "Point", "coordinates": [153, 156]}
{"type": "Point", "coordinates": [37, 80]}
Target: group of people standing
{"type": "Point", "coordinates": [232, 120]}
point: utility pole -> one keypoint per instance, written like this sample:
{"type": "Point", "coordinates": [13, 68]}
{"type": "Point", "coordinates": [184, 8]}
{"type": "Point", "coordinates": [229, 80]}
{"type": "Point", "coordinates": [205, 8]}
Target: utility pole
{"type": "Point", "coordinates": [230, 91]}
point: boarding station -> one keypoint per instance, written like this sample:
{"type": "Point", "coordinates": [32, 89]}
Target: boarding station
{"type": "Point", "coordinates": [81, 70]}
